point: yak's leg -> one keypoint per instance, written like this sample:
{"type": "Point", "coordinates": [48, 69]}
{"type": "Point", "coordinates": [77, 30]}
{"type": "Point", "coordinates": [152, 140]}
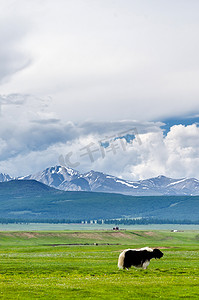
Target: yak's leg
{"type": "Point", "coordinates": [145, 265]}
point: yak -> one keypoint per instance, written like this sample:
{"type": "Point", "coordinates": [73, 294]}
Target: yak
{"type": "Point", "coordinates": [139, 258]}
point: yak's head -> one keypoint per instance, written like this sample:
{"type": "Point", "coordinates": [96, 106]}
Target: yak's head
{"type": "Point", "coordinates": [157, 253]}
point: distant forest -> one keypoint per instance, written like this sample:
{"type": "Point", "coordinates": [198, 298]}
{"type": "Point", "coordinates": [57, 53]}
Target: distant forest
{"type": "Point", "coordinates": [143, 221]}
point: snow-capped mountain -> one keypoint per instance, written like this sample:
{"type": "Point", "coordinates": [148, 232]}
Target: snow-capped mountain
{"type": "Point", "coordinates": [67, 179]}
{"type": "Point", "coordinates": [61, 178]}
{"type": "Point", "coordinates": [5, 177]}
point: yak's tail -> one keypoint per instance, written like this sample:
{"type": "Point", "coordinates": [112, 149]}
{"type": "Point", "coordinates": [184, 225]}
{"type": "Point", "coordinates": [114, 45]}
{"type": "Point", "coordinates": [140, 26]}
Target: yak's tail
{"type": "Point", "coordinates": [121, 260]}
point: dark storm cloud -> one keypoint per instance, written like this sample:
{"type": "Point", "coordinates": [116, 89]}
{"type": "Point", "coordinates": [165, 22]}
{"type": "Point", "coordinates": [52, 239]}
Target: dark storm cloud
{"type": "Point", "coordinates": [28, 126]}
{"type": "Point", "coordinates": [102, 128]}
{"type": "Point", "coordinates": [48, 121]}
{"type": "Point", "coordinates": [33, 137]}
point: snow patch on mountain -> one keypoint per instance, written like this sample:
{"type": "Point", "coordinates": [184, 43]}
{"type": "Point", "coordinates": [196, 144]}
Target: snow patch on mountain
{"type": "Point", "coordinates": [5, 177]}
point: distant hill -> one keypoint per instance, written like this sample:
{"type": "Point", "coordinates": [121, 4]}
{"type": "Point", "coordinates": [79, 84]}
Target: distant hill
{"type": "Point", "coordinates": [32, 200]}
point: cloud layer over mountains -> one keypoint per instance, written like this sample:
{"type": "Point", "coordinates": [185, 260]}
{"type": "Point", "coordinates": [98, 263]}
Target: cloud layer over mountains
{"type": "Point", "coordinates": [33, 138]}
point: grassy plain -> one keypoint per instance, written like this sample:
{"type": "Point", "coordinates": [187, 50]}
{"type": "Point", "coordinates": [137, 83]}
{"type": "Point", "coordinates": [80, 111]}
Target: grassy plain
{"type": "Point", "coordinates": [68, 265]}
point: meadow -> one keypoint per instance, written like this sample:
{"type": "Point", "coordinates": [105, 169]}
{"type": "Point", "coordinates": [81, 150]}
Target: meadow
{"type": "Point", "coordinates": [83, 265]}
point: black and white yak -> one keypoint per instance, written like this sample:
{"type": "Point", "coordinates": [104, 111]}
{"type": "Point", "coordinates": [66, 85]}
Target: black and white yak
{"type": "Point", "coordinates": [139, 258]}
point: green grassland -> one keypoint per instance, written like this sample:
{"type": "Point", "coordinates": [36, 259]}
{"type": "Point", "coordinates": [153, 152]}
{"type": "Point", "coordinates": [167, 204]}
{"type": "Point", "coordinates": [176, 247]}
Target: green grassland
{"type": "Point", "coordinates": [69, 265]}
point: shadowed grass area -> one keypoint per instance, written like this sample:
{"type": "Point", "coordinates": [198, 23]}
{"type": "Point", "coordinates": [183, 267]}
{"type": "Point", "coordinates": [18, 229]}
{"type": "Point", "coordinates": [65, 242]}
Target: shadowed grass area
{"type": "Point", "coordinates": [30, 268]}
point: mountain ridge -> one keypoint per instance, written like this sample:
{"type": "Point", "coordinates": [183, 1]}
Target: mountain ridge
{"type": "Point", "coordinates": [68, 179]}
{"type": "Point", "coordinates": [30, 200]}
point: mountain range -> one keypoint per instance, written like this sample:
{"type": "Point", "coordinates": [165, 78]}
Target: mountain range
{"type": "Point", "coordinates": [67, 179]}
{"type": "Point", "coordinates": [30, 200]}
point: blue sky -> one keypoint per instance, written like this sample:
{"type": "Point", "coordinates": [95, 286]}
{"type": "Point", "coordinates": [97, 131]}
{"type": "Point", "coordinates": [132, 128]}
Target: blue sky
{"type": "Point", "coordinates": [179, 120]}
{"type": "Point", "coordinates": [74, 73]}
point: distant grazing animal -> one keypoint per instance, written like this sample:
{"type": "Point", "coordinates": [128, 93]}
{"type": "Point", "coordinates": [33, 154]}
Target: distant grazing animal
{"type": "Point", "coordinates": [139, 258]}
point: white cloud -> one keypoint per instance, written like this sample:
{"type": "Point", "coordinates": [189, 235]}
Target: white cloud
{"type": "Point", "coordinates": [183, 151]}
{"type": "Point", "coordinates": [105, 60]}
{"type": "Point", "coordinates": [13, 57]}
{"type": "Point", "coordinates": [176, 155]}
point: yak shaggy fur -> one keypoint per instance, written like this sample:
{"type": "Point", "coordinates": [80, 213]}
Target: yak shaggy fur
{"type": "Point", "coordinates": [139, 258]}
